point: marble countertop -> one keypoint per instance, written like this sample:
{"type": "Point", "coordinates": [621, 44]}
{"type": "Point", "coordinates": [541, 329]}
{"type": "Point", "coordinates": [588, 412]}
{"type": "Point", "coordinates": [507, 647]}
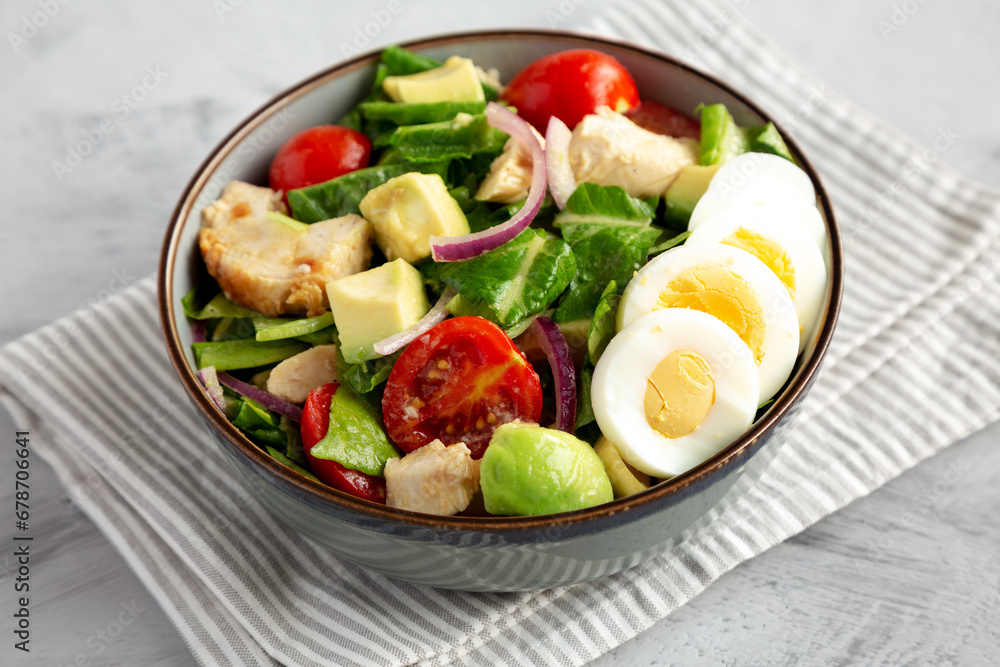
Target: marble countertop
{"type": "Point", "coordinates": [154, 86]}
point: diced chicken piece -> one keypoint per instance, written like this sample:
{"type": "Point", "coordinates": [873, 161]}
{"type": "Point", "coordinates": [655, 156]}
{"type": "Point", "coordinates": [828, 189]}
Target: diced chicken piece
{"type": "Point", "coordinates": [295, 377]}
{"type": "Point", "coordinates": [609, 149]}
{"type": "Point", "coordinates": [241, 200]}
{"type": "Point", "coordinates": [273, 267]}
{"type": "Point", "coordinates": [435, 479]}
{"type": "Point", "coordinates": [510, 174]}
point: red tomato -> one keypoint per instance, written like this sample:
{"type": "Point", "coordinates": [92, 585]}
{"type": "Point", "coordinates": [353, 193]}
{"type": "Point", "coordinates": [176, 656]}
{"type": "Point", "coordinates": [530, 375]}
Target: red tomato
{"type": "Point", "coordinates": [569, 85]}
{"type": "Point", "coordinates": [662, 119]}
{"type": "Point", "coordinates": [458, 382]}
{"type": "Point", "coordinates": [318, 154]}
{"type": "Point", "coordinates": [315, 422]}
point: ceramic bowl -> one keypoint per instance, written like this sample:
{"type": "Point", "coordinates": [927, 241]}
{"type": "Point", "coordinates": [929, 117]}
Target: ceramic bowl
{"type": "Point", "coordinates": [477, 553]}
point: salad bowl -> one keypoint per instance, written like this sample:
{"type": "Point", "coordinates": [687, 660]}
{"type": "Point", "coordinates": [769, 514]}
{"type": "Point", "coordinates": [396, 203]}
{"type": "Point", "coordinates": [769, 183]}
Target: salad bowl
{"type": "Point", "coordinates": [482, 553]}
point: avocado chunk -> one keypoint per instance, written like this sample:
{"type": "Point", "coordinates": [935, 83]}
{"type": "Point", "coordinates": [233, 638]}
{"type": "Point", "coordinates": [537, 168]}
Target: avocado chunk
{"type": "Point", "coordinates": [767, 139]}
{"type": "Point", "coordinates": [721, 137]}
{"type": "Point", "coordinates": [529, 470]}
{"type": "Point", "coordinates": [407, 210]}
{"type": "Point", "coordinates": [375, 304]}
{"type": "Point", "coordinates": [684, 193]}
{"type": "Point", "coordinates": [625, 480]}
{"type": "Point", "coordinates": [454, 81]}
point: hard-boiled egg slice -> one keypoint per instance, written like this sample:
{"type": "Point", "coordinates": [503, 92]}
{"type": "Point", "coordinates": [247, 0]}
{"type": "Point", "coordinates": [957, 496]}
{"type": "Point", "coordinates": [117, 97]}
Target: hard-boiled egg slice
{"type": "Point", "coordinates": [773, 236]}
{"type": "Point", "coordinates": [732, 285]}
{"type": "Point", "coordinates": [674, 388]}
{"type": "Point", "coordinates": [761, 178]}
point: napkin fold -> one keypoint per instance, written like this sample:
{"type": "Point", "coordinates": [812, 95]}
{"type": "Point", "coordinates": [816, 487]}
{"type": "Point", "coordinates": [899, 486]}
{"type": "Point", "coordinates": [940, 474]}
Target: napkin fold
{"type": "Point", "coordinates": [912, 368]}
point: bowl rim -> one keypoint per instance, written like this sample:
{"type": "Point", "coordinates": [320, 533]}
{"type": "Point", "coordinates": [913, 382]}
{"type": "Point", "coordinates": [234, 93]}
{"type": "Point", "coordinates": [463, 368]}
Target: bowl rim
{"type": "Point", "coordinates": [640, 504]}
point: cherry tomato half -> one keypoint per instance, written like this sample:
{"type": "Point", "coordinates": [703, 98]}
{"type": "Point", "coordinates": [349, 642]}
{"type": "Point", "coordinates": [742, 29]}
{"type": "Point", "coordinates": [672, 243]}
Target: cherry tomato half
{"type": "Point", "coordinates": [662, 119]}
{"type": "Point", "coordinates": [459, 382]}
{"type": "Point", "coordinates": [318, 154]}
{"type": "Point", "coordinates": [315, 422]}
{"type": "Point", "coordinates": [569, 85]}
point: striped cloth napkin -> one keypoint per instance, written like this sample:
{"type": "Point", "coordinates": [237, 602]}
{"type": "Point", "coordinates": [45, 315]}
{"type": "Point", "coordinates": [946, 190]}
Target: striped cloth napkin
{"type": "Point", "coordinates": [911, 370]}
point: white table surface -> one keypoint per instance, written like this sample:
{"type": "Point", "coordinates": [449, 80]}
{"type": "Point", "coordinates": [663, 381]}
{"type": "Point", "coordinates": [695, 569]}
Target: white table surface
{"type": "Point", "coordinates": [863, 586]}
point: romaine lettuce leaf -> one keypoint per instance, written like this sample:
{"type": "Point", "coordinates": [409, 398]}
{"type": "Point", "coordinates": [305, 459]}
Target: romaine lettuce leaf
{"type": "Point", "coordinates": [258, 422]}
{"type": "Point", "coordinates": [245, 353]}
{"type": "Point", "coordinates": [284, 460]}
{"type": "Point", "coordinates": [610, 234]}
{"type": "Point", "coordinates": [355, 438]}
{"type": "Point", "coordinates": [671, 242]}
{"type": "Point", "coordinates": [417, 114]}
{"type": "Point", "coordinates": [607, 204]}
{"type": "Point", "coordinates": [363, 377]}
{"type": "Point", "coordinates": [400, 62]}
{"type": "Point", "coordinates": [602, 327]}
{"type": "Point", "coordinates": [217, 306]}
{"type": "Point", "coordinates": [521, 277]}
{"type": "Point", "coordinates": [462, 137]}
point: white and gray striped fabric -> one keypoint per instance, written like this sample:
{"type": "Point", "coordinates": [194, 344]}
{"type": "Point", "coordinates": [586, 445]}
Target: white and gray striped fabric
{"type": "Point", "coordinates": [911, 370]}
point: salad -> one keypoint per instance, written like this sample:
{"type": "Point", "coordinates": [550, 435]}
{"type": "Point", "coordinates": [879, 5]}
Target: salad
{"type": "Point", "coordinates": [465, 297]}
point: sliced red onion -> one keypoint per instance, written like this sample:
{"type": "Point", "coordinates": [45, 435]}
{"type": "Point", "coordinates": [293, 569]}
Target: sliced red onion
{"type": "Point", "coordinates": [467, 246]}
{"type": "Point", "coordinates": [562, 182]}
{"type": "Point", "coordinates": [269, 401]}
{"type": "Point", "coordinates": [554, 345]}
{"type": "Point", "coordinates": [197, 332]}
{"type": "Point", "coordinates": [435, 315]}
{"type": "Point", "coordinates": [210, 379]}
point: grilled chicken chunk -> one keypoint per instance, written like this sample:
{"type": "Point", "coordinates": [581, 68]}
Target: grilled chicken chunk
{"type": "Point", "coordinates": [609, 149]}
{"type": "Point", "coordinates": [510, 174]}
{"type": "Point", "coordinates": [435, 479]}
{"type": "Point", "coordinates": [295, 377]}
{"type": "Point", "coordinates": [275, 267]}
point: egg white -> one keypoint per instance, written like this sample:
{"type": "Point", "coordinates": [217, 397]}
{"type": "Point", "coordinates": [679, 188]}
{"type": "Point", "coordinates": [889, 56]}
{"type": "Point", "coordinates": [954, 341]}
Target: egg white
{"type": "Point", "coordinates": [761, 178]}
{"type": "Point", "coordinates": [779, 226]}
{"type": "Point", "coordinates": [619, 386]}
{"type": "Point", "coordinates": [782, 341]}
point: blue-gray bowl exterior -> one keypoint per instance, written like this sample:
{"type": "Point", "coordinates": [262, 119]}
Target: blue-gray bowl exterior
{"type": "Point", "coordinates": [472, 553]}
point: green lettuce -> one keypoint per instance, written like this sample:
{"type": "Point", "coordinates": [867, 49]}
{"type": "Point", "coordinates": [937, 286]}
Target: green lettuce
{"type": "Point", "coordinates": [416, 114]}
{"type": "Point", "coordinates": [258, 422]}
{"type": "Point", "coordinates": [608, 204]}
{"type": "Point", "coordinates": [355, 438]}
{"type": "Point", "coordinates": [520, 278]}
{"type": "Point", "coordinates": [218, 306]}
{"type": "Point", "coordinates": [245, 353]}
{"type": "Point", "coordinates": [364, 376]}
{"type": "Point", "coordinates": [610, 234]}
{"type": "Point", "coordinates": [602, 327]}
{"type": "Point", "coordinates": [461, 137]}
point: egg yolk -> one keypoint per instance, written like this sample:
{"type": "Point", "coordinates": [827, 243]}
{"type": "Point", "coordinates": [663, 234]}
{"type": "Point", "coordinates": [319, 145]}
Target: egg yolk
{"type": "Point", "coordinates": [713, 289]}
{"type": "Point", "coordinates": [679, 393]}
{"type": "Point", "coordinates": [767, 251]}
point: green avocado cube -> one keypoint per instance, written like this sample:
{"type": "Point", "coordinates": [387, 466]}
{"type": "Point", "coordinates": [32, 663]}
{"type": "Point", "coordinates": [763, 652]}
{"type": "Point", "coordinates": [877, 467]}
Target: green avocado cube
{"type": "Point", "coordinates": [454, 81]}
{"type": "Point", "coordinates": [406, 211]}
{"type": "Point", "coordinates": [375, 304]}
{"type": "Point", "coordinates": [683, 194]}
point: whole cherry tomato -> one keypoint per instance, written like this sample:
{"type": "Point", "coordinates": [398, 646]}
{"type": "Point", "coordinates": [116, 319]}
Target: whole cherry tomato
{"type": "Point", "coordinates": [315, 422]}
{"type": "Point", "coordinates": [459, 382]}
{"type": "Point", "coordinates": [662, 119]}
{"type": "Point", "coordinates": [569, 85]}
{"type": "Point", "coordinates": [317, 155]}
